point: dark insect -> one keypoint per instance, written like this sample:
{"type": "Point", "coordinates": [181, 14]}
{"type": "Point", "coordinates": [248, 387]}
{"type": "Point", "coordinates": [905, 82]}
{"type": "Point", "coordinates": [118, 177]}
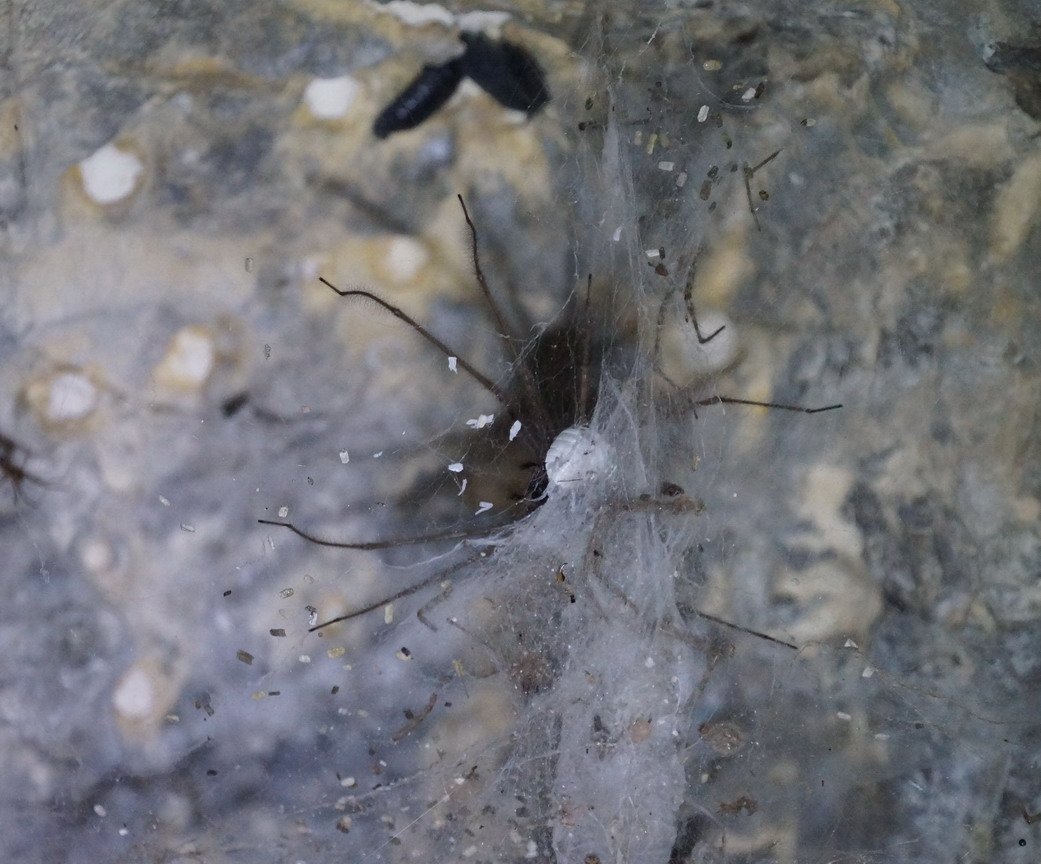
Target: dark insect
{"type": "Point", "coordinates": [564, 358]}
{"type": "Point", "coordinates": [505, 71]}
{"type": "Point", "coordinates": [424, 95]}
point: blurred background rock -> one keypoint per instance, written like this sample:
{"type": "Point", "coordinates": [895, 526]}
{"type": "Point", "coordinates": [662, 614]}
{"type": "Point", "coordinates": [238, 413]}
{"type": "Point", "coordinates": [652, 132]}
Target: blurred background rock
{"type": "Point", "coordinates": [175, 176]}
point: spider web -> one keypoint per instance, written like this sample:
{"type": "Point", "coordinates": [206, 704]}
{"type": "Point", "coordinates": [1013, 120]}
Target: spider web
{"type": "Point", "coordinates": [568, 692]}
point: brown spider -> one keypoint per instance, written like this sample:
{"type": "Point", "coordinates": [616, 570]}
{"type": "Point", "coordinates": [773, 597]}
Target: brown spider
{"type": "Point", "coordinates": [557, 439]}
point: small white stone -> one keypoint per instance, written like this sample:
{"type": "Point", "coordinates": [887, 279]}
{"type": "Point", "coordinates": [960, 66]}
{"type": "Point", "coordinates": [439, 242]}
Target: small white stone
{"type": "Point", "coordinates": [97, 556]}
{"type": "Point", "coordinates": [72, 397]}
{"type": "Point", "coordinates": [703, 114]}
{"type": "Point", "coordinates": [455, 467]}
{"type": "Point", "coordinates": [100, 810]}
{"type": "Point", "coordinates": [134, 696]}
{"type": "Point", "coordinates": [188, 361]}
{"type": "Point", "coordinates": [331, 98]}
{"type": "Point", "coordinates": [453, 364]}
{"type": "Point", "coordinates": [344, 457]}
{"type": "Point", "coordinates": [110, 174]}
{"type": "Point", "coordinates": [515, 429]}
{"type": "Point", "coordinates": [403, 258]}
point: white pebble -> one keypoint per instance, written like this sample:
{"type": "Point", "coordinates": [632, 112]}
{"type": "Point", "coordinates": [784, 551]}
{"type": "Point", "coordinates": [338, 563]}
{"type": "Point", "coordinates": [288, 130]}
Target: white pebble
{"type": "Point", "coordinates": [330, 98]}
{"type": "Point", "coordinates": [344, 457]}
{"type": "Point", "coordinates": [403, 258]}
{"type": "Point", "coordinates": [110, 174]}
{"type": "Point", "coordinates": [134, 697]}
{"type": "Point", "coordinates": [189, 359]}
{"type": "Point", "coordinates": [72, 397]}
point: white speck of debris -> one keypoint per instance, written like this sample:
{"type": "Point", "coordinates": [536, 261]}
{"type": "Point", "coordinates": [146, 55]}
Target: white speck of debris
{"type": "Point", "coordinates": [285, 593]}
{"type": "Point", "coordinates": [283, 511]}
{"type": "Point", "coordinates": [462, 488]}
{"type": "Point", "coordinates": [652, 253]}
{"type": "Point", "coordinates": [455, 467]}
{"type": "Point", "coordinates": [842, 715]}
{"type": "Point", "coordinates": [344, 457]}
{"type": "Point", "coordinates": [330, 98]}
{"type": "Point", "coordinates": [868, 672]}
{"type": "Point", "coordinates": [849, 643]}
{"type": "Point", "coordinates": [881, 736]}
{"type": "Point", "coordinates": [304, 658]}
{"type": "Point", "coordinates": [388, 613]}
{"type": "Point", "coordinates": [453, 364]}
{"type": "Point", "coordinates": [164, 501]}
{"type": "Point", "coordinates": [649, 662]}
{"type": "Point", "coordinates": [101, 811]}
{"type": "Point", "coordinates": [347, 782]}
{"type": "Point", "coordinates": [186, 527]}
{"type": "Point", "coordinates": [483, 507]}
{"type": "Point", "coordinates": [666, 166]}
{"type": "Point", "coordinates": [703, 113]}
{"type": "Point", "coordinates": [617, 234]}
{"type": "Point", "coordinates": [748, 95]}
{"type": "Point", "coordinates": [481, 421]}
{"type": "Point", "coordinates": [469, 851]}
{"type": "Point", "coordinates": [134, 696]}
{"type": "Point", "coordinates": [681, 179]}
{"type": "Point", "coordinates": [515, 429]}
{"type": "Point", "coordinates": [72, 397]}
{"type": "Point", "coordinates": [123, 832]}
{"type": "Point", "coordinates": [533, 850]}
{"type": "Point", "coordinates": [377, 455]}
{"type": "Point", "coordinates": [110, 174]}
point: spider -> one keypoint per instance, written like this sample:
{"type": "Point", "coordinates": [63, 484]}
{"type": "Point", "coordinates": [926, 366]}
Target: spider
{"type": "Point", "coordinates": [561, 450]}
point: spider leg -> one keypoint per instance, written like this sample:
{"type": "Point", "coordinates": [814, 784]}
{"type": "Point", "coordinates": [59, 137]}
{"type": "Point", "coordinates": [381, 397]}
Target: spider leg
{"type": "Point", "coordinates": [398, 595]}
{"type": "Point", "coordinates": [377, 544]}
{"type": "Point", "coordinates": [401, 315]}
{"type": "Point", "coordinates": [780, 406]}
{"type": "Point", "coordinates": [527, 377]}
